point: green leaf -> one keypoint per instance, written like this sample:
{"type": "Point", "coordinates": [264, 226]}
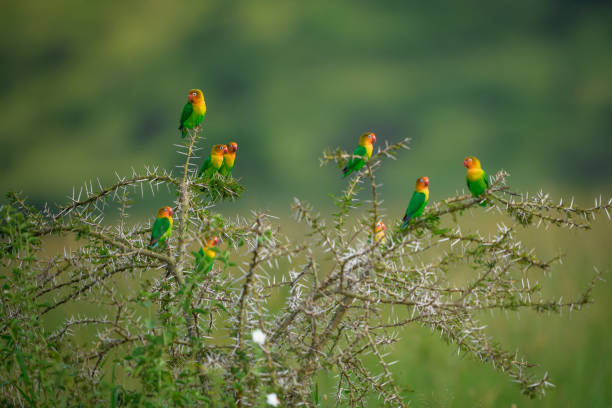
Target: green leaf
{"type": "Point", "coordinates": [315, 395]}
{"type": "Point", "coordinates": [22, 365]}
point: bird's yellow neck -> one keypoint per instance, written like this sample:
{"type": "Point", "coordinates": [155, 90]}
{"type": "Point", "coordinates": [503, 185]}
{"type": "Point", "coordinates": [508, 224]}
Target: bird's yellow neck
{"type": "Point", "coordinates": [199, 107]}
{"type": "Point", "coordinates": [216, 159]}
{"type": "Point", "coordinates": [474, 173]}
{"type": "Point", "coordinates": [369, 148]}
{"type": "Point", "coordinates": [229, 158]}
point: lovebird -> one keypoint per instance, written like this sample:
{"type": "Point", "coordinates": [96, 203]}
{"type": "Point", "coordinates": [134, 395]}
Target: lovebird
{"type": "Point", "coordinates": [193, 111]}
{"type": "Point", "coordinates": [366, 145]}
{"type": "Point", "coordinates": [213, 162]}
{"type": "Point", "coordinates": [379, 232]}
{"type": "Point", "coordinates": [418, 201]}
{"type": "Point", "coordinates": [162, 227]}
{"type": "Point", "coordinates": [206, 256]}
{"type": "Point", "coordinates": [229, 159]}
{"type": "Point", "coordinates": [477, 180]}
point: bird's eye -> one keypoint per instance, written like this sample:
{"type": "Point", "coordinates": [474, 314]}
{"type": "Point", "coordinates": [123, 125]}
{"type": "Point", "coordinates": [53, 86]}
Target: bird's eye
{"type": "Point", "coordinates": [194, 94]}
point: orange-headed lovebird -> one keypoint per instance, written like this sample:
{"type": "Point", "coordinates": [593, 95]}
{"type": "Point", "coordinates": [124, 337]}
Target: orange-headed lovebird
{"type": "Point", "coordinates": [206, 255]}
{"type": "Point", "coordinates": [364, 150]}
{"type": "Point", "coordinates": [379, 232]}
{"type": "Point", "coordinates": [418, 201]}
{"type": "Point", "coordinates": [213, 162]}
{"type": "Point", "coordinates": [162, 227]}
{"type": "Point", "coordinates": [193, 111]}
{"type": "Point", "coordinates": [477, 180]}
{"type": "Point", "coordinates": [229, 159]}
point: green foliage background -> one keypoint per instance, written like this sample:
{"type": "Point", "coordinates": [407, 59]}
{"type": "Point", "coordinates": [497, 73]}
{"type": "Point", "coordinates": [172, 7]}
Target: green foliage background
{"type": "Point", "coordinates": [90, 88]}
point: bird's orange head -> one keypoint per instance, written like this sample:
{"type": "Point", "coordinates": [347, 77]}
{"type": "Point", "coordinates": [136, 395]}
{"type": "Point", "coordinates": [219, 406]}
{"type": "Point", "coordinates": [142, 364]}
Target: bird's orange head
{"type": "Point", "coordinates": [367, 138]}
{"type": "Point", "coordinates": [219, 149]}
{"type": "Point", "coordinates": [195, 96]}
{"type": "Point", "coordinates": [165, 212]}
{"type": "Point", "coordinates": [232, 147]}
{"type": "Point", "coordinates": [422, 183]}
{"type": "Point", "coordinates": [380, 226]}
{"type": "Point", "coordinates": [471, 162]}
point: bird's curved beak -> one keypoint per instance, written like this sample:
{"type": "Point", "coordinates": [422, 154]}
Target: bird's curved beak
{"type": "Point", "coordinates": [215, 241]}
{"type": "Point", "coordinates": [426, 182]}
{"type": "Point", "coordinates": [384, 227]}
{"type": "Point", "coordinates": [225, 151]}
{"type": "Point", "coordinates": [373, 138]}
{"type": "Point", "coordinates": [465, 163]}
{"type": "Point", "coordinates": [190, 97]}
{"type": "Point", "coordinates": [171, 212]}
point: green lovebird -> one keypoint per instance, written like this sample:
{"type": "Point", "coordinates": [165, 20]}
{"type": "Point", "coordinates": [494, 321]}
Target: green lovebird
{"type": "Point", "coordinates": [229, 159]}
{"type": "Point", "coordinates": [162, 227]}
{"type": "Point", "coordinates": [418, 201]}
{"type": "Point", "coordinates": [366, 145]}
{"type": "Point", "coordinates": [213, 162]}
{"type": "Point", "coordinates": [477, 180]}
{"type": "Point", "coordinates": [205, 257]}
{"type": "Point", "coordinates": [193, 111]}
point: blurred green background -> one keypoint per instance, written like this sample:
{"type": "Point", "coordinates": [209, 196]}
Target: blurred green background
{"type": "Point", "coordinates": [90, 88]}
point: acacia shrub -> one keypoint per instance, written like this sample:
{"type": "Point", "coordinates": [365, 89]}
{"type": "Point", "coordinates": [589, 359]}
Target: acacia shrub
{"type": "Point", "coordinates": [177, 335]}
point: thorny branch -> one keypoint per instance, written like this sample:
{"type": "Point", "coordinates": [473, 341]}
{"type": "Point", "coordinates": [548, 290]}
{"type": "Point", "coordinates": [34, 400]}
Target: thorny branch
{"type": "Point", "coordinates": [178, 332]}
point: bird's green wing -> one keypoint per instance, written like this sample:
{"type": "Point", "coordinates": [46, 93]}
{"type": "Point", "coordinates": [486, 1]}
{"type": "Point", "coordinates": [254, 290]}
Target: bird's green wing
{"type": "Point", "coordinates": [417, 202]}
{"type": "Point", "coordinates": [160, 227]}
{"type": "Point", "coordinates": [359, 151]}
{"type": "Point", "coordinates": [187, 110]}
{"type": "Point", "coordinates": [484, 185]}
{"type": "Point", "coordinates": [355, 163]}
{"type": "Point", "coordinates": [205, 166]}
{"type": "Point", "coordinates": [478, 186]}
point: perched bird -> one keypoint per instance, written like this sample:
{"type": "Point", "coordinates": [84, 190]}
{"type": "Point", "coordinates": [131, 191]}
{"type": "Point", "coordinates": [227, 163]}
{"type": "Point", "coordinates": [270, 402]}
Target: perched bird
{"type": "Point", "coordinates": [418, 201]}
{"type": "Point", "coordinates": [213, 162]}
{"type": "Point", "coordinates": [366, 145]}
{"type": "Point", "coordinates": [229, 159]}
{"type": "Point", "coordinates": [162, 227]}
{"type": "Point", "coordinates": [477, 180]}
{"type": "Point", "coordinates": [379, 232]}
{"type": "Point", "coordinates": [206, 255]}
{"type": "Point", "coordinates": [193, 111]}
